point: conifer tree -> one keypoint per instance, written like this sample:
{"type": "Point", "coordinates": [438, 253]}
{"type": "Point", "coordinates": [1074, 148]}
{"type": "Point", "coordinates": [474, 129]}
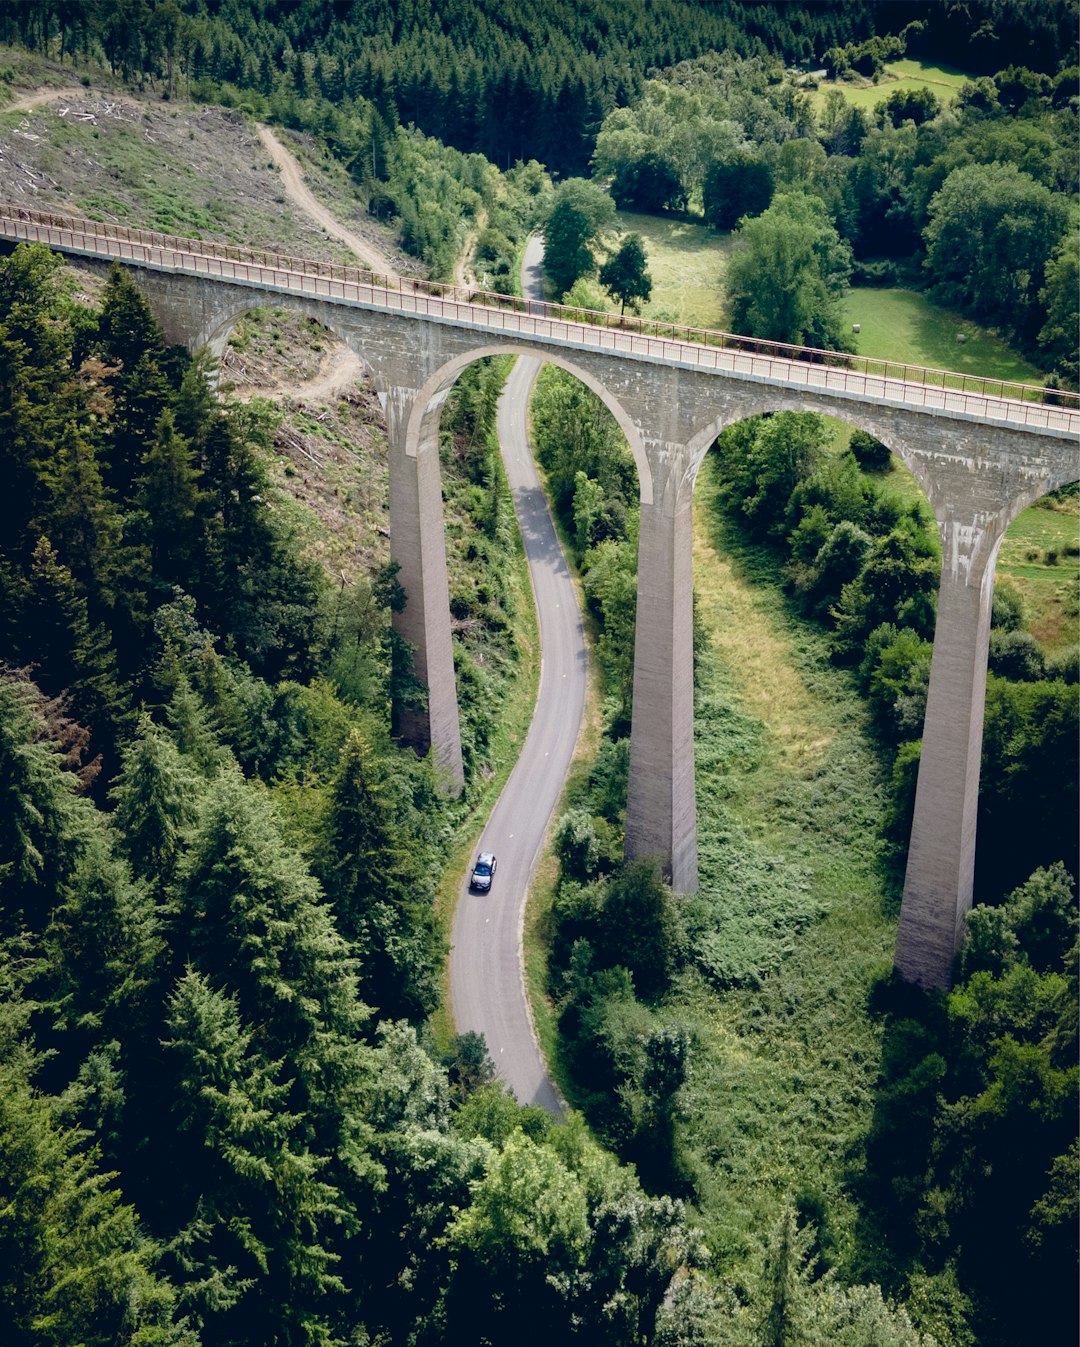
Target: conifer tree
{"type": "Point", "coordinates": [104, 947]}
{"type": "Point", "coordinates": [155, 798]}
{"type": "Point", "coordinates": [168, 492]}
{"type": "Point", "coordinates": [250, 1254]}
{"type": "Point", "coordinates": [247, 914]}
{"type": "Point", "coordinates": [39, 842]}
{"type": "Point", "coordinates": [130, 337]}
{"type": "Point", "coordinates": [73, 656]}
{"type": "Point", "coordinates": [81, 520]}
{"type": "Point", "coordinates": [374, 874]}
{"type": "Point", "coordinates": [33, 368]}
{"type": "Point", "coordinates": [71, 1267]}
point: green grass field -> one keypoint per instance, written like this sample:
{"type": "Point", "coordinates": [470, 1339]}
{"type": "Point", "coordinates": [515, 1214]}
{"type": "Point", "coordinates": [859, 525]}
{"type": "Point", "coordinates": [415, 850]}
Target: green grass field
{"type": "Point", "coordinates": [904, 325]}
{"type": "Point", "coordinates": [907, 74]}
{"type": "Point", "coordinates": [686, 262]}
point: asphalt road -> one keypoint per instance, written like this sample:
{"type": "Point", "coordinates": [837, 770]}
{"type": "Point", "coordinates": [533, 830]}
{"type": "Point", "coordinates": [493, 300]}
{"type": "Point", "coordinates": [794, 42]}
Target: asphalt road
{"type": "Point", "coordinates": [487, 986]}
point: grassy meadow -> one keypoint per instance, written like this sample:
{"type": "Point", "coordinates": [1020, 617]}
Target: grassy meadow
{"type": "Point", "coordinates": [904, 325]}
{"type": "Point", "coordinates": [794, 878]}
{"type": "Point", "coordinates": [686, 262]}
{"type": "Point", "coordinates": [945, 81]}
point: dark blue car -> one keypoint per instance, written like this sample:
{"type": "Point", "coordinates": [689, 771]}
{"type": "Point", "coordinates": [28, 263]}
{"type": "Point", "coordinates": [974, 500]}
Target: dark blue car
{"type": "Point", "coordinates": [483, 872]}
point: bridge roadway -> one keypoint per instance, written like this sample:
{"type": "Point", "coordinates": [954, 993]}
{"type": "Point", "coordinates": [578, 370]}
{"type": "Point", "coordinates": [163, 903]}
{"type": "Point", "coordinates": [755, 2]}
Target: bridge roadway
{"type": "Point", "coordinates": [886, 383]}
{"type": "Point", "coordinates": [981, 449]}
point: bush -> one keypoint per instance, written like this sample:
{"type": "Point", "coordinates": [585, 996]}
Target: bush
{"type": "Point", "coordinates": [870, 454]}
{"type": "Point", "coordinates": [1017, 655]}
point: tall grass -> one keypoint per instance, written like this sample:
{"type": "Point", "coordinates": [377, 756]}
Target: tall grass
{"type": "Point", "coordinates": [795, 918]}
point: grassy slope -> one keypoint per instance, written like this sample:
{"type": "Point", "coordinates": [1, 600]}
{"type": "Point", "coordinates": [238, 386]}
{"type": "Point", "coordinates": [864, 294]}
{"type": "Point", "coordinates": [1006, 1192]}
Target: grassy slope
{"type": "Point", "coordinates": [904, 325]}
{"type": "Point", "coordinates": [781, 1090]}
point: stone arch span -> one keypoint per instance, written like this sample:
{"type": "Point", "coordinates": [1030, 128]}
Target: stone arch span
{"type": "Point", "coordinates": [422, 430]}
{"type": "Point", "coordinates": [977, 470]}
{"type": "Point", "coordinates": [862, 417]}
{"type": "Point", "coordinates": [976, 486]}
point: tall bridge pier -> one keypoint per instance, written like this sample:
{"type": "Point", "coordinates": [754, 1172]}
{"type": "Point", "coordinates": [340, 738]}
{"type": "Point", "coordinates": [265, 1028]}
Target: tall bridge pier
{"type": "Point", "coordinates": [980, 456]}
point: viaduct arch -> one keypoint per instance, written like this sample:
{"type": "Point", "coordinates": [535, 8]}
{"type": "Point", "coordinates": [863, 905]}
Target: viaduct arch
{"type": "Point", "coordinates": [980, 458]}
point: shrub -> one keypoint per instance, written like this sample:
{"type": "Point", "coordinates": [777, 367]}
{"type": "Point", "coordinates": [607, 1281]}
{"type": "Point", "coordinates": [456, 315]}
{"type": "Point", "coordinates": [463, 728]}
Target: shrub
{"type": "Point", "coordinates": [870, 454]}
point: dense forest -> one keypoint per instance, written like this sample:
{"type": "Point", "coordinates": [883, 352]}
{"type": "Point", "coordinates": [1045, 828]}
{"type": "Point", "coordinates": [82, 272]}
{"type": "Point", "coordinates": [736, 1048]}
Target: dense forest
{"type": "Point", "coordinates": [523, 81]}
{"type": "Point", "coordinates": [225, 1115]}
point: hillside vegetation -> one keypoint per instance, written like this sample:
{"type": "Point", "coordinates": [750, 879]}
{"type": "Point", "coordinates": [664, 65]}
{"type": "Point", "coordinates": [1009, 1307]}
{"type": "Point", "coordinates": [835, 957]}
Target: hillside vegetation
{"type": "Point", "coordinates": [231, 1109]}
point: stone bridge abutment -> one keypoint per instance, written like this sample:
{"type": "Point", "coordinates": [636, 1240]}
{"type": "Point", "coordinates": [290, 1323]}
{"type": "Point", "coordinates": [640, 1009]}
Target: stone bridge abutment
{"type": "Point", "coordinates": [977, 473]}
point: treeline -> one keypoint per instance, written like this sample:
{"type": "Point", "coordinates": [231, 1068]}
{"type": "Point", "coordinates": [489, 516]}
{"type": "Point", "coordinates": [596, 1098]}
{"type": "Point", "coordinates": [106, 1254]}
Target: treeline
{"type": "Point", "coordinates": [512, 82]}
{"type": "Point", "coordinates": [222, 1119]}
{"type": "Point", "coordinates": [975, 201]}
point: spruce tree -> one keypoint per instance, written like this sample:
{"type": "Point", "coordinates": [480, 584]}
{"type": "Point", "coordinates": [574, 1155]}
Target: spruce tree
{"type": "Point", "coordinates": [247, 913]}
{"type": "Point", "coordinates": [72, 1269]}
{"type": "Point", "coordinates": [167, 490]}
{"type": "Point", "coordinates": [374, 873]}
{"type": "Point", "coordinates": [39, 839]}
{"type": "Point", "coordinates": [81, 520]}
{"type": "Point", "coordinates": [131, 339]}
{"type": "Point", "coordinates": [69, 653]}
{"type": "Point", "coordinates": [155, 798]}
{"type": "Point", "coordinates": [254, 1210]}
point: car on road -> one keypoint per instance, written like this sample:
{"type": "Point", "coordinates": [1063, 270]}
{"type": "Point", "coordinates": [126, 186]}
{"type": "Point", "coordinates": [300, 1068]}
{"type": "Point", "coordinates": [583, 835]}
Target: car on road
{"type": "Point", "coordinates": [483, 872]}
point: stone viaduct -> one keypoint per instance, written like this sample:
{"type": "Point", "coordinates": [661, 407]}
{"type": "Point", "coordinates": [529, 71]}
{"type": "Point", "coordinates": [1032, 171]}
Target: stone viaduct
{"type": "Point", "coordinates": [981, 454]}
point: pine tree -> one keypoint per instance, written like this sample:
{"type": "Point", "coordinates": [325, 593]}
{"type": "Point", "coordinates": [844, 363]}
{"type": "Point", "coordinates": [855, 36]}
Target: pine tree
{"type": "Point", "coordinates": [254, 1210]}
{"type": "Point", "coordinates": [374, 874]}
{"type": "Point", "coordinates": [167, 490]}
{"type": "Point", "coordinates": [104, 948]}
{"type": "Point", "coordinates": [34, 366]}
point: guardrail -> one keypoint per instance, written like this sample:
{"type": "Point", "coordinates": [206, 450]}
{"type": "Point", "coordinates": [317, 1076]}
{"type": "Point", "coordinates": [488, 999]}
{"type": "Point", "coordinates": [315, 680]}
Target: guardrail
{"type": "Point", "coordinates": [912, 385]}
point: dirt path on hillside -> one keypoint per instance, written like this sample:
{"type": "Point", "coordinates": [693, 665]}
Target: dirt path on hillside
{"type": "Point", "coordinates": [292, 179]}
{"type": "Point", "coordinates": [341, 367]}
{"type": "Point", "coordinates": [40, 96]}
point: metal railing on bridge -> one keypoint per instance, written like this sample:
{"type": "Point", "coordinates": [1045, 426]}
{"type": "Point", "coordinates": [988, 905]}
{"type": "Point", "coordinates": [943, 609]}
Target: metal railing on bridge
{"type": "Point", "coordinates": [914, 385]}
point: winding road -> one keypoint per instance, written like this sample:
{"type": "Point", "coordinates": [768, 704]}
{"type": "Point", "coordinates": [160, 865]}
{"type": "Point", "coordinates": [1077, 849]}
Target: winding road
{"type": "Point", "coordinates": [487, 985]}
{"type": "Point", "coordinates": [487, 976]}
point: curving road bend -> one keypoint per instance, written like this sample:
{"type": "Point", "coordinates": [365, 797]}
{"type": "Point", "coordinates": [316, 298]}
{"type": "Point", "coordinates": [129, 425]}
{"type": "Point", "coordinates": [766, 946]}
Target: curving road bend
{"type": "Point", "coordinates": [487, 986]}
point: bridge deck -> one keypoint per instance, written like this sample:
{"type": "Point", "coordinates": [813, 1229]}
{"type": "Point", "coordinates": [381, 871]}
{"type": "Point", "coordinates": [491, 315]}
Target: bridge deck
{"type": "Point", "coordinates": [935, 391]}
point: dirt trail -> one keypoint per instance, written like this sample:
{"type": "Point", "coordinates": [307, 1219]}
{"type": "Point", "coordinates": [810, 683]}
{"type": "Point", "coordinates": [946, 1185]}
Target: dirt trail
{"type": "Point", "coordinates": [340, 369]}
{"type": "Point", "coordinates": [292, 179]}
{"type": "Point", "coordinates": [40, 96]}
